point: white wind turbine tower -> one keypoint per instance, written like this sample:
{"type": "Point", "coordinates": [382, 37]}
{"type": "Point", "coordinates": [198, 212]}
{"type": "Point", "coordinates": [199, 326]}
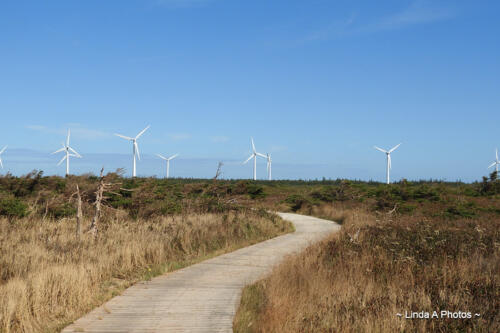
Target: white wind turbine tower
{"type": "Point", "coordinates": [269, 163]}
{"type": "Point", "coordinates": [68, 151]}
{"type": "Point", "coordinates": [168, 161]}
{"type": "Point", "coordinates": [135, 147]}
{"type": "Point", "coordinates": [1, 152]}
{"type": "Point", "coordinates": [496, 163]}
{"type": "Point", "coordinates": [388, 154]}
{"type": "Point", "coordinates": [254, 156]}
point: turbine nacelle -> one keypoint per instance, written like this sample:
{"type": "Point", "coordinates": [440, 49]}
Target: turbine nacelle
{"type": "Point", "coordinates": [167, 159]}
{"type": "Point", "coordinates": [254, 156]}
{"type": "Point", "coordinates": [69, 152]}
{"type": "Point", "coordinates": [388, 154]}
{"type": "Point", "coordinates": [496, 163]}
{"type": "Point", "coordinates": [135, 146]}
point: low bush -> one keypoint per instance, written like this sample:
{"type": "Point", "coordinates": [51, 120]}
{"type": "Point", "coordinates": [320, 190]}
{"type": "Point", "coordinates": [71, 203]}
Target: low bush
{"type": "Point", "coordinates": [255, 191]}
{"type": "Point", "coordinates": [13, 207]}
{"type": "Point", "coordinates": [297, 202]}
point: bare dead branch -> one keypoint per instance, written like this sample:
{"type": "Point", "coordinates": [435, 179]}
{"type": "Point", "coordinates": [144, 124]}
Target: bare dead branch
{"type": "Point", "coordinates": [392, 210]}
{"type": "Point", "coordinates": [219, 171]}
{"type": "Point", "coordinates": [78, 213]}
{"type": "Point", "coordinates": [94, 226]}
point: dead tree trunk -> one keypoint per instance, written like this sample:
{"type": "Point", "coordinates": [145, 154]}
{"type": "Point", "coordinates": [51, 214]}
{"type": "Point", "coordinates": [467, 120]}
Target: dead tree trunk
{"type": "Point", "coordinates": [78, 213]}
{"type": "Point", "coordinates": [46, 209]}
{"type": "Point", "coordinates": [219, 171]}
{"type": "Point", "coordinates": [94, 226]}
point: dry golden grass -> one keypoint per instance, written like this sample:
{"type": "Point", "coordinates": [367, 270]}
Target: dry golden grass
{"type": "Point", "coordinates": [49, 278]}
{"type": "Point", "coordinates": [357, 282]}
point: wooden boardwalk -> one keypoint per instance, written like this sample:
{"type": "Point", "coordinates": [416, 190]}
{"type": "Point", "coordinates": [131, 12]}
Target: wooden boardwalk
{"type": "Point", "coordinates": [202, 297]}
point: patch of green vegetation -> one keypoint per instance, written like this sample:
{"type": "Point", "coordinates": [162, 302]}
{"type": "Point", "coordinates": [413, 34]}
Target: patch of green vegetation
{"type": "Point", "coordinates": [253, 301]}
{"type": "Point", "coordinates": [255, 191]}
{"type": "Point", "coordinates": [63, 210]}
{"type": "Point", "coordinates": [490, 186]}
{"type": "Point", "coordinates": [13, 207]}
{"type": "Point", "coordinates": [297, 201]}
{"type": "Point", "coordinates": [407, 208]}
{"type": "Point", "coordinates": [467, 210]}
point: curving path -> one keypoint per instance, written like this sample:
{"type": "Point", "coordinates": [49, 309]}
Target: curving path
{"type": "Point", "coordinates": [202, 297]}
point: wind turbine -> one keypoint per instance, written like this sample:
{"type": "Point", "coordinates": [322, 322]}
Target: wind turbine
{"type": "Point", "coordinates": [269, 162]}
{"type": "Point", "coordinates": [496, 163]}
{"type": "Point", "coordinates": [68, 151]}
{"type": "Point", "coordinates": [388, 154]}
{"type": "Point", "coordinates": [1, 152]}
{"type": "Point", "coordinates": [168, 160]}
{"type": "Point", "coordinates": [254, 156]}
{"type": "Point", "coordinates": [135, 147]}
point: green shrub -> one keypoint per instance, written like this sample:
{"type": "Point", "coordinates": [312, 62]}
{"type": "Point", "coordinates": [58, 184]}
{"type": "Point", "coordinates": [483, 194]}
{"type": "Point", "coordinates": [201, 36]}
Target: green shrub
{"type": "Point", "coordinates": [171, 207]}
{"type": "Point", "coordinates": [491, 185]}
{"type": "Point", "coordinates": [13, 207]}
{"type": "Point", "coordinates": [63, 210]}
{"type": "Point", "coordinates": [406, 208]}
{"type": "Point", "coordinates": [461, 210]}
{"type": "Point", "coordinates": [255, 191]}
{"type": "Point", "coordinates": [326, 194]}
{"type": "Point", "coordinates": [425, 192]}
{"type": "Point", "coordinates": [297, 201]}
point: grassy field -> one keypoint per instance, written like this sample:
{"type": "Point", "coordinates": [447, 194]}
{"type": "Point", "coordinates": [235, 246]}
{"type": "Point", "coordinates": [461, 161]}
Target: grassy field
{"type": "Point", "coordinates": [404, 247]}
{"type": "Point", "coordinates": [49, 276]}
{"type": "Point", "coordinates": [410, 246]}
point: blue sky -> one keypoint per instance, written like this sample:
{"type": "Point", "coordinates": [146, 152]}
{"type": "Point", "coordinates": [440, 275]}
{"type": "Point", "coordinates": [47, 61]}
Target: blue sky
{"type": "Point", "coordinates": [317, 83]}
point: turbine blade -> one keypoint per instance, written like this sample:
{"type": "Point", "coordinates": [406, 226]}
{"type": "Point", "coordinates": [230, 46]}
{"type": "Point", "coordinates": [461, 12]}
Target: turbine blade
{"type": "Point", "coordinates": [261, 155]}
{"type": "Point", "coordinates": [3, 149]}
{"type": "Point", "coordinates": [142, 132]}
{"type": "Point", "coordinates": [67, 139]}
{"type": "Point", "coordinates": [173, 156]}
{"type": "Point", "coordinates": [162, 157]}
{"type": "Point", "coordinates": [75, 152]}
{"type": "Point", "coordinates": [1, 164]}
{"type": "Point", "coordinates": [394, 148]}
{"type": "Point", "coordinates": [496, 151]}
{"type": "Point", "coordinates": [492, 164]}
{"type": "Point", "coordinates": [379, 149]}
{"type": "Point", "coordinates": [59, 150]}
{"type": "Point", "coordinates": [253, 145]}
{"type": "Point", "coordinates": [248, 159]}
{"type": "Point", "coordinates": [62, 160]}
{"type": "Point", "coordinates": [137, 150]}
{"type": "Point", "coordinates": [124, 137]}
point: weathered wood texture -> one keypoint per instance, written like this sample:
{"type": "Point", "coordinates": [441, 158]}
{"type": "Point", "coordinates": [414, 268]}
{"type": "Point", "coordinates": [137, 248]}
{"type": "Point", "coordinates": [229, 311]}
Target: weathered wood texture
{"type": "Point", "coordinates": [202, 297]}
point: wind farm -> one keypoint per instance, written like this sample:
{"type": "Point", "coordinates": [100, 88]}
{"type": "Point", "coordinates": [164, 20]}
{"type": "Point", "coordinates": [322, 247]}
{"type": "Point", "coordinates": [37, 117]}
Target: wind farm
{"type": "Point", "coordinates": [70, 152]}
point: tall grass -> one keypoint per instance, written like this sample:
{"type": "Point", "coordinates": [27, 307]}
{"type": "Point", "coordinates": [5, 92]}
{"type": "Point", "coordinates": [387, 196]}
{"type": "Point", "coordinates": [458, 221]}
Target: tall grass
{"type": "Point", "coordinates": [380, 265]}
{"type": "Point", "coordinates": [48, 277]}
